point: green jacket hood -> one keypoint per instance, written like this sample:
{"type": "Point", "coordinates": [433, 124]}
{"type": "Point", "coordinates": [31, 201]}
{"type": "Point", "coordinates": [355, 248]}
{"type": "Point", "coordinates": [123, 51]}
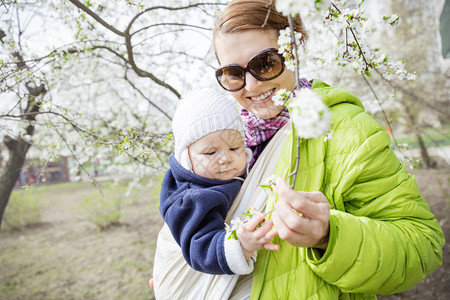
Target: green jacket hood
{"type": "Point", "coordinates": [332, 95]}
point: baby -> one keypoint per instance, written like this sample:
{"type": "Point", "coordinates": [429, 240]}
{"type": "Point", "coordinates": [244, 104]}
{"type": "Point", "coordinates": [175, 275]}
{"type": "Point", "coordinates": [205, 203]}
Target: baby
{"type": "Point", "coordinates": [205, 175]}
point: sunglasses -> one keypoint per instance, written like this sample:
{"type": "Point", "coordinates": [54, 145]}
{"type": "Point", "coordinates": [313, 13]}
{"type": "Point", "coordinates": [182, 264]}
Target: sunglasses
{"type": "Point", "coordinates": [265, 65]}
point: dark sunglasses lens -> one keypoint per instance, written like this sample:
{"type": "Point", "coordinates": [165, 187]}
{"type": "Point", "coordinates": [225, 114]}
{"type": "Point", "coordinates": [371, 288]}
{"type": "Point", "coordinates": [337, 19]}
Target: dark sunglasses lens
{"type": "Point", "coordinates": [266, 65]}
{"type": "Point", "coordinates": [230, 78]}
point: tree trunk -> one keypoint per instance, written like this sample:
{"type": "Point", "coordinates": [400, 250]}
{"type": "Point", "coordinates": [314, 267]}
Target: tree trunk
{"type": "Point", "coordinates": [17, 152]}
{"type": "Point", "coordinates": [18, 147]}
{"type": "Point", "coordinates": [429, 163]}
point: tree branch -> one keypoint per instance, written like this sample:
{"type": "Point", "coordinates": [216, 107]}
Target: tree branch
{"type": "Point", "coordinates": [167, 8]}
{"type": "Point", "coordinates": [411, 94]}
{"type": "Point", "coordinates": [146, 98]}
{"type": "Point", "coordinates": [382, 110]}
{"type": "Point", "coordinates": [269, 5]}
{"type": "Point", "coordinates": [143, 73]}
{"type": "Point", "coordinates": [96, 17]}
{"type": "Point", "coordinates": [169, 24]}
{"type": "Point", "coordinates": [127, 36]}
{"type": "Point", "coordinates": [361, 52]}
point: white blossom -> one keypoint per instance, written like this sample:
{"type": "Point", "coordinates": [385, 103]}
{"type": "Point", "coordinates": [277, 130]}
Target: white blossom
{"type": "Point", "coordinates": [310, 116]}
{"type": "Point", "coordinates": [286, 49]}
{"type": "Point", "coordinates": [329, 135]}
{"type": "Point", "coordinates": [280, 97]}
{"type": "Point", "coordinates": [292, 7]}
{"type": "Point", "coordinates": [397, 71]}
{"type": "Point", "coordinates": [268, 184]}
{"type": "Point", "coordinates": [237, 223]}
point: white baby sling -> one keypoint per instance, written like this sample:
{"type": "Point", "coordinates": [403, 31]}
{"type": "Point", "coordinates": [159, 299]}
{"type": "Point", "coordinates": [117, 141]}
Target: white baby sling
{"type": "Point", "coordinates": [175, 279]}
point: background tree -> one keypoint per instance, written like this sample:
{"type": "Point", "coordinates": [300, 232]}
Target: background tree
{"type": "Point", "coordinates": [424, 102]}
{"type": "Point", "coordinates": [97, 82]}
{"type": "Point", "coordinates": [394, 49]}
{"type": "Point", "coordinates": [112, 73]}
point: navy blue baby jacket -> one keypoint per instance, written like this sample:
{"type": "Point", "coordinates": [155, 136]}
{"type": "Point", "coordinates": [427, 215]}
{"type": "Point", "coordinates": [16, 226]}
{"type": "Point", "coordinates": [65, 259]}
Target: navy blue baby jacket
{"type": "Point", "coordinates": [194, 208]}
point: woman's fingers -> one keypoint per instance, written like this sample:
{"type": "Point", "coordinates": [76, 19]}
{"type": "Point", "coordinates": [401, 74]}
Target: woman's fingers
{"type": "Point", "coordinates": [288, 229]}
{"type": "Point", "coordinates": [301, 218]}
{"type": "Point", "coordinates": [309, 204]}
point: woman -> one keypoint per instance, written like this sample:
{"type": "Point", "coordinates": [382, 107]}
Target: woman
{"type": "Point", "coordinates": [355, 224]}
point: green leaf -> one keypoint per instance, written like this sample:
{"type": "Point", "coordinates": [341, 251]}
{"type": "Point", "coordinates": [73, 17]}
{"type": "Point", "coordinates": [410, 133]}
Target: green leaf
{"type": "Point", "coordinates": [233, 235]}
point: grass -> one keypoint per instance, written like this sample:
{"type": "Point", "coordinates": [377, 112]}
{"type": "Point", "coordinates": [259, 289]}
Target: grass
{"type": "Point", "coordinates": [65, 256]}
{"type": "Point", "coordinates": [431, 138]}
{"type": "Point", "coordinates": [23, 209]}
{"type": "Point", "coordinates": [104, 208]}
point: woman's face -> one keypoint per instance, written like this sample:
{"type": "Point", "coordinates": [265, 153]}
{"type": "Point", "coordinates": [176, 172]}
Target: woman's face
{"type": "Point", "coordinates": [238, 48]}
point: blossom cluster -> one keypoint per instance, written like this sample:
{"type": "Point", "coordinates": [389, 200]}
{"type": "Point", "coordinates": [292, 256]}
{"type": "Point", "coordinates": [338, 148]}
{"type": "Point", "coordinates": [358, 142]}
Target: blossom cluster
{"type": "Point", "coordinates": [286, 47]}
{"type": "Point", "coordinates": [354, 51]}
{"type": "Point", "coordinates": [238, 222]}
{"type": "Point", "coordinates": [268, 184]}
{"type": "Point", "coordinates": [292, 7]}
{"type": "Point", "coordinates": [397, 70]}
{"type": "Point", "coordinates": [280, 97]}
{"type": "Point", "coordinates": [310, 116]}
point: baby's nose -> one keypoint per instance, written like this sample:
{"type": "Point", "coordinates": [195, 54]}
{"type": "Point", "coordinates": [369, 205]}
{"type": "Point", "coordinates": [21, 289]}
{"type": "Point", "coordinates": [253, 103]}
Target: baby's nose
{"type": "Point", "coordinates": [224, 157]}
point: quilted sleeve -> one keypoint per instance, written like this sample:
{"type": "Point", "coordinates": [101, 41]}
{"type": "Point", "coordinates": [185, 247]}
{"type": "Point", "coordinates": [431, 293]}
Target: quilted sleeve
{"type": "Point", "coordinates": [384, 239]}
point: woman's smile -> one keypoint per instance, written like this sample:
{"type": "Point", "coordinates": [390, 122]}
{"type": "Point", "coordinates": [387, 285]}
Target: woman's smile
{"type": "Point", "coordinates": [263, 97]}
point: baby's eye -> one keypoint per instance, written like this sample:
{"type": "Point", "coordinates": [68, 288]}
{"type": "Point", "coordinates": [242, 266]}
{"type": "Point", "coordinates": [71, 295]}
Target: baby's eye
{"type": "Point", "coordinates": [235, 148]}
{"type": "Point", "coordinates": [210, 153]}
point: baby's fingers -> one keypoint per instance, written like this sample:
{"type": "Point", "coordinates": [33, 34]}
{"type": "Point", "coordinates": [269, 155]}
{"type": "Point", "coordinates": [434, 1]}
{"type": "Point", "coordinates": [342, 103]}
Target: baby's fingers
{"type": "Point", "coordinates": [252, 223]}
{"type": "Point", "coordinates": [271, 246]}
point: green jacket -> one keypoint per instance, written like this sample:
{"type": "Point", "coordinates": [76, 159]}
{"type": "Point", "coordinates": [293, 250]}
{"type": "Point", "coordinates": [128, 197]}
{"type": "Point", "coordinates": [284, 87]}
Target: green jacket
{"type": "Point", "coordinates": [383, 237]}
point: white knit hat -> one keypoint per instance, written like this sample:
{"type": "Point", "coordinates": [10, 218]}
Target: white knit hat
{"type": "Point", "coordinates": [200, 113]}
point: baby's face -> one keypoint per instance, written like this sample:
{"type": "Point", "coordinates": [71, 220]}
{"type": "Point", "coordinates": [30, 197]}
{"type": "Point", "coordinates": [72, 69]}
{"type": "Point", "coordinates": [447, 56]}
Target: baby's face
{"type": "Point", "coordinates": [219, 155]}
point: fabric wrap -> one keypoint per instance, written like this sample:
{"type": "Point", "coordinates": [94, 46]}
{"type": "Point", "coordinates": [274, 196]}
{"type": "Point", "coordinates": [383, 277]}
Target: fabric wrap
{"type": "Point", "coordinates": [175, 279]}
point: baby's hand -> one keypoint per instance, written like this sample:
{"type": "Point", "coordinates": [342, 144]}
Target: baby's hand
{"type": "Point", "coordinates": [253, 238]}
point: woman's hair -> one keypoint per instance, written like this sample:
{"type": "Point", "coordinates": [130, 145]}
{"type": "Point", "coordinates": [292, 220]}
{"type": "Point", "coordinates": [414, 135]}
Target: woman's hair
{"type": "Point", "coordinates": [242, 15]}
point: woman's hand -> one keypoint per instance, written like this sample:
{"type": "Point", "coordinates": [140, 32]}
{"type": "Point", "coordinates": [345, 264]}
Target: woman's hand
{"type": "Point", "coordinates": [253, 238]}
{"type": "Point", "coordinates": [302, 218]}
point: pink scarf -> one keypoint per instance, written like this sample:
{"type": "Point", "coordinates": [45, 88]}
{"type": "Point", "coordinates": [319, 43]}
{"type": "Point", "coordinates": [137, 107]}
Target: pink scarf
{"type": "Point", "coordinates": [258, 130]}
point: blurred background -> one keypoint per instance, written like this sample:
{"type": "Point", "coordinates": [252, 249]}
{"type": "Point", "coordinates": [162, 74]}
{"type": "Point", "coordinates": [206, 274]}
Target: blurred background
{"type": "Point", "coordinates": [87, 91]}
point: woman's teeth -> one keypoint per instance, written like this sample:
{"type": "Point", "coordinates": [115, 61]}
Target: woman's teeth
{"type": "Point", "coordinates": [263, 96]}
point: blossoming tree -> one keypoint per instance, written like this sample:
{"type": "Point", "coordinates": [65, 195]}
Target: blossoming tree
{"type": "Point", "coordinates": [101, 80]}
{"type": "Point", "coordinates": [96, 81]}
